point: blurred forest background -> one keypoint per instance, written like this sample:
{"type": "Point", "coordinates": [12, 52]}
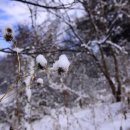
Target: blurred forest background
{"type": "Point", "coordinates": [94, 35]}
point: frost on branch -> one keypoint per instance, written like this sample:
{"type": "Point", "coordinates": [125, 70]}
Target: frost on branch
{"type": "Point", "coordinates": [18, 50]}
{"type": "Point", "coordinates": [61, 65]}
{"type": "Point", "coordinates": [28, 79]}
{"type": "Point", "coordinates": [41, 61]}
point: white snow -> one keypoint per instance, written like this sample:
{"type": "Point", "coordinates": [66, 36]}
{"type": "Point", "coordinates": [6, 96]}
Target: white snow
{"type": "Point", "coordinates": [28, 93]}
{"type": "Point", "coordinates": [104, 117]}
{"type": "Point", "coordinates": [31, 65]}
{"type": "Point", "coordinates": [18, 50]}
{"type": "Point", "coordinates": [3, 54]}
{"type": "Point", "coordinates": [96, 117]}
{"type": "Point", "coordinates": [63, 63]}
{"type": "Point", "coordinates": [27, 126]}
{"type": "Point", "coordinates": [27, 80]}
{"type": "Point", "coordinates": [4, 126]}
{"type": "Point", "coordinates": [40, 59]}
{"type": "Point", "coordinates": [39, 81]}
{"type": "Point", "coordinates": [84, 45]}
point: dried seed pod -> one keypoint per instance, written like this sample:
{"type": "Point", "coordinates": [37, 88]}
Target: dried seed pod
{"type": "Point", "coordinates": [8, 37]}
{"type": "Point", "coordinates": [41, 61]}
{"type": "Point", "coordinates": [9, 30]}
{"type": "Point", "coordinates": [8, 34]}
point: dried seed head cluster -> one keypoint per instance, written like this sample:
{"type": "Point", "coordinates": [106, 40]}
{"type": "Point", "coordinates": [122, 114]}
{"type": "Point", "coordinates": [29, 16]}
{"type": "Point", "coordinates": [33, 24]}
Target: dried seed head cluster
{"type": "Point", "coordinates": [8, 34]}
{"type": "Point", "coordinates": [61, 65]}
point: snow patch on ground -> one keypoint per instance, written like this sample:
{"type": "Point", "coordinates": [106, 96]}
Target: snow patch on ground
{"type": "Point", "coordinates": [96, 117]}
{"type": "Point", "coordinates": [104, 117]}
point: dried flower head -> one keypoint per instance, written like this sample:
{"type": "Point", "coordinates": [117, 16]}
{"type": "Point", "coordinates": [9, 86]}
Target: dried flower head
{"type": "Point", "coordinates": [61, 65]}
{"type": "Point", "coordinates": [9, 30]}
{"type": "Point", "coordinates": [41, 61]}
{"type": "Point", "coordinates": [60, 70]}
{"type": "Point", "coordinates": [8, 34]}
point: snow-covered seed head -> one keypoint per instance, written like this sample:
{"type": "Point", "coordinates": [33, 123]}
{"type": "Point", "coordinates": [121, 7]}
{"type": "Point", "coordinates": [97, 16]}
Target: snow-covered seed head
{"type": "Point", "coordinates": [62, 65]}
{"type": "Point", "coordinates": [39, 81]}
{"type": "Point", "coordinates": [8, 34]}
{"type": "Point", "coordinates": [41, 62]}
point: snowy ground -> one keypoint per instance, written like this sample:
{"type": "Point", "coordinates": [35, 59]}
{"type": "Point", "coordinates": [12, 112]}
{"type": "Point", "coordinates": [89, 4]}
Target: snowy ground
{"type": "Point", "coordinates": [103, 117]}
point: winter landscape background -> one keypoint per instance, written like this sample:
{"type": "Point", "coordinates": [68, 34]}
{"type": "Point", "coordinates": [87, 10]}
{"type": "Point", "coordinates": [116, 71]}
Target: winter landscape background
{"type": "Point", "coordinates": [64, 65]}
